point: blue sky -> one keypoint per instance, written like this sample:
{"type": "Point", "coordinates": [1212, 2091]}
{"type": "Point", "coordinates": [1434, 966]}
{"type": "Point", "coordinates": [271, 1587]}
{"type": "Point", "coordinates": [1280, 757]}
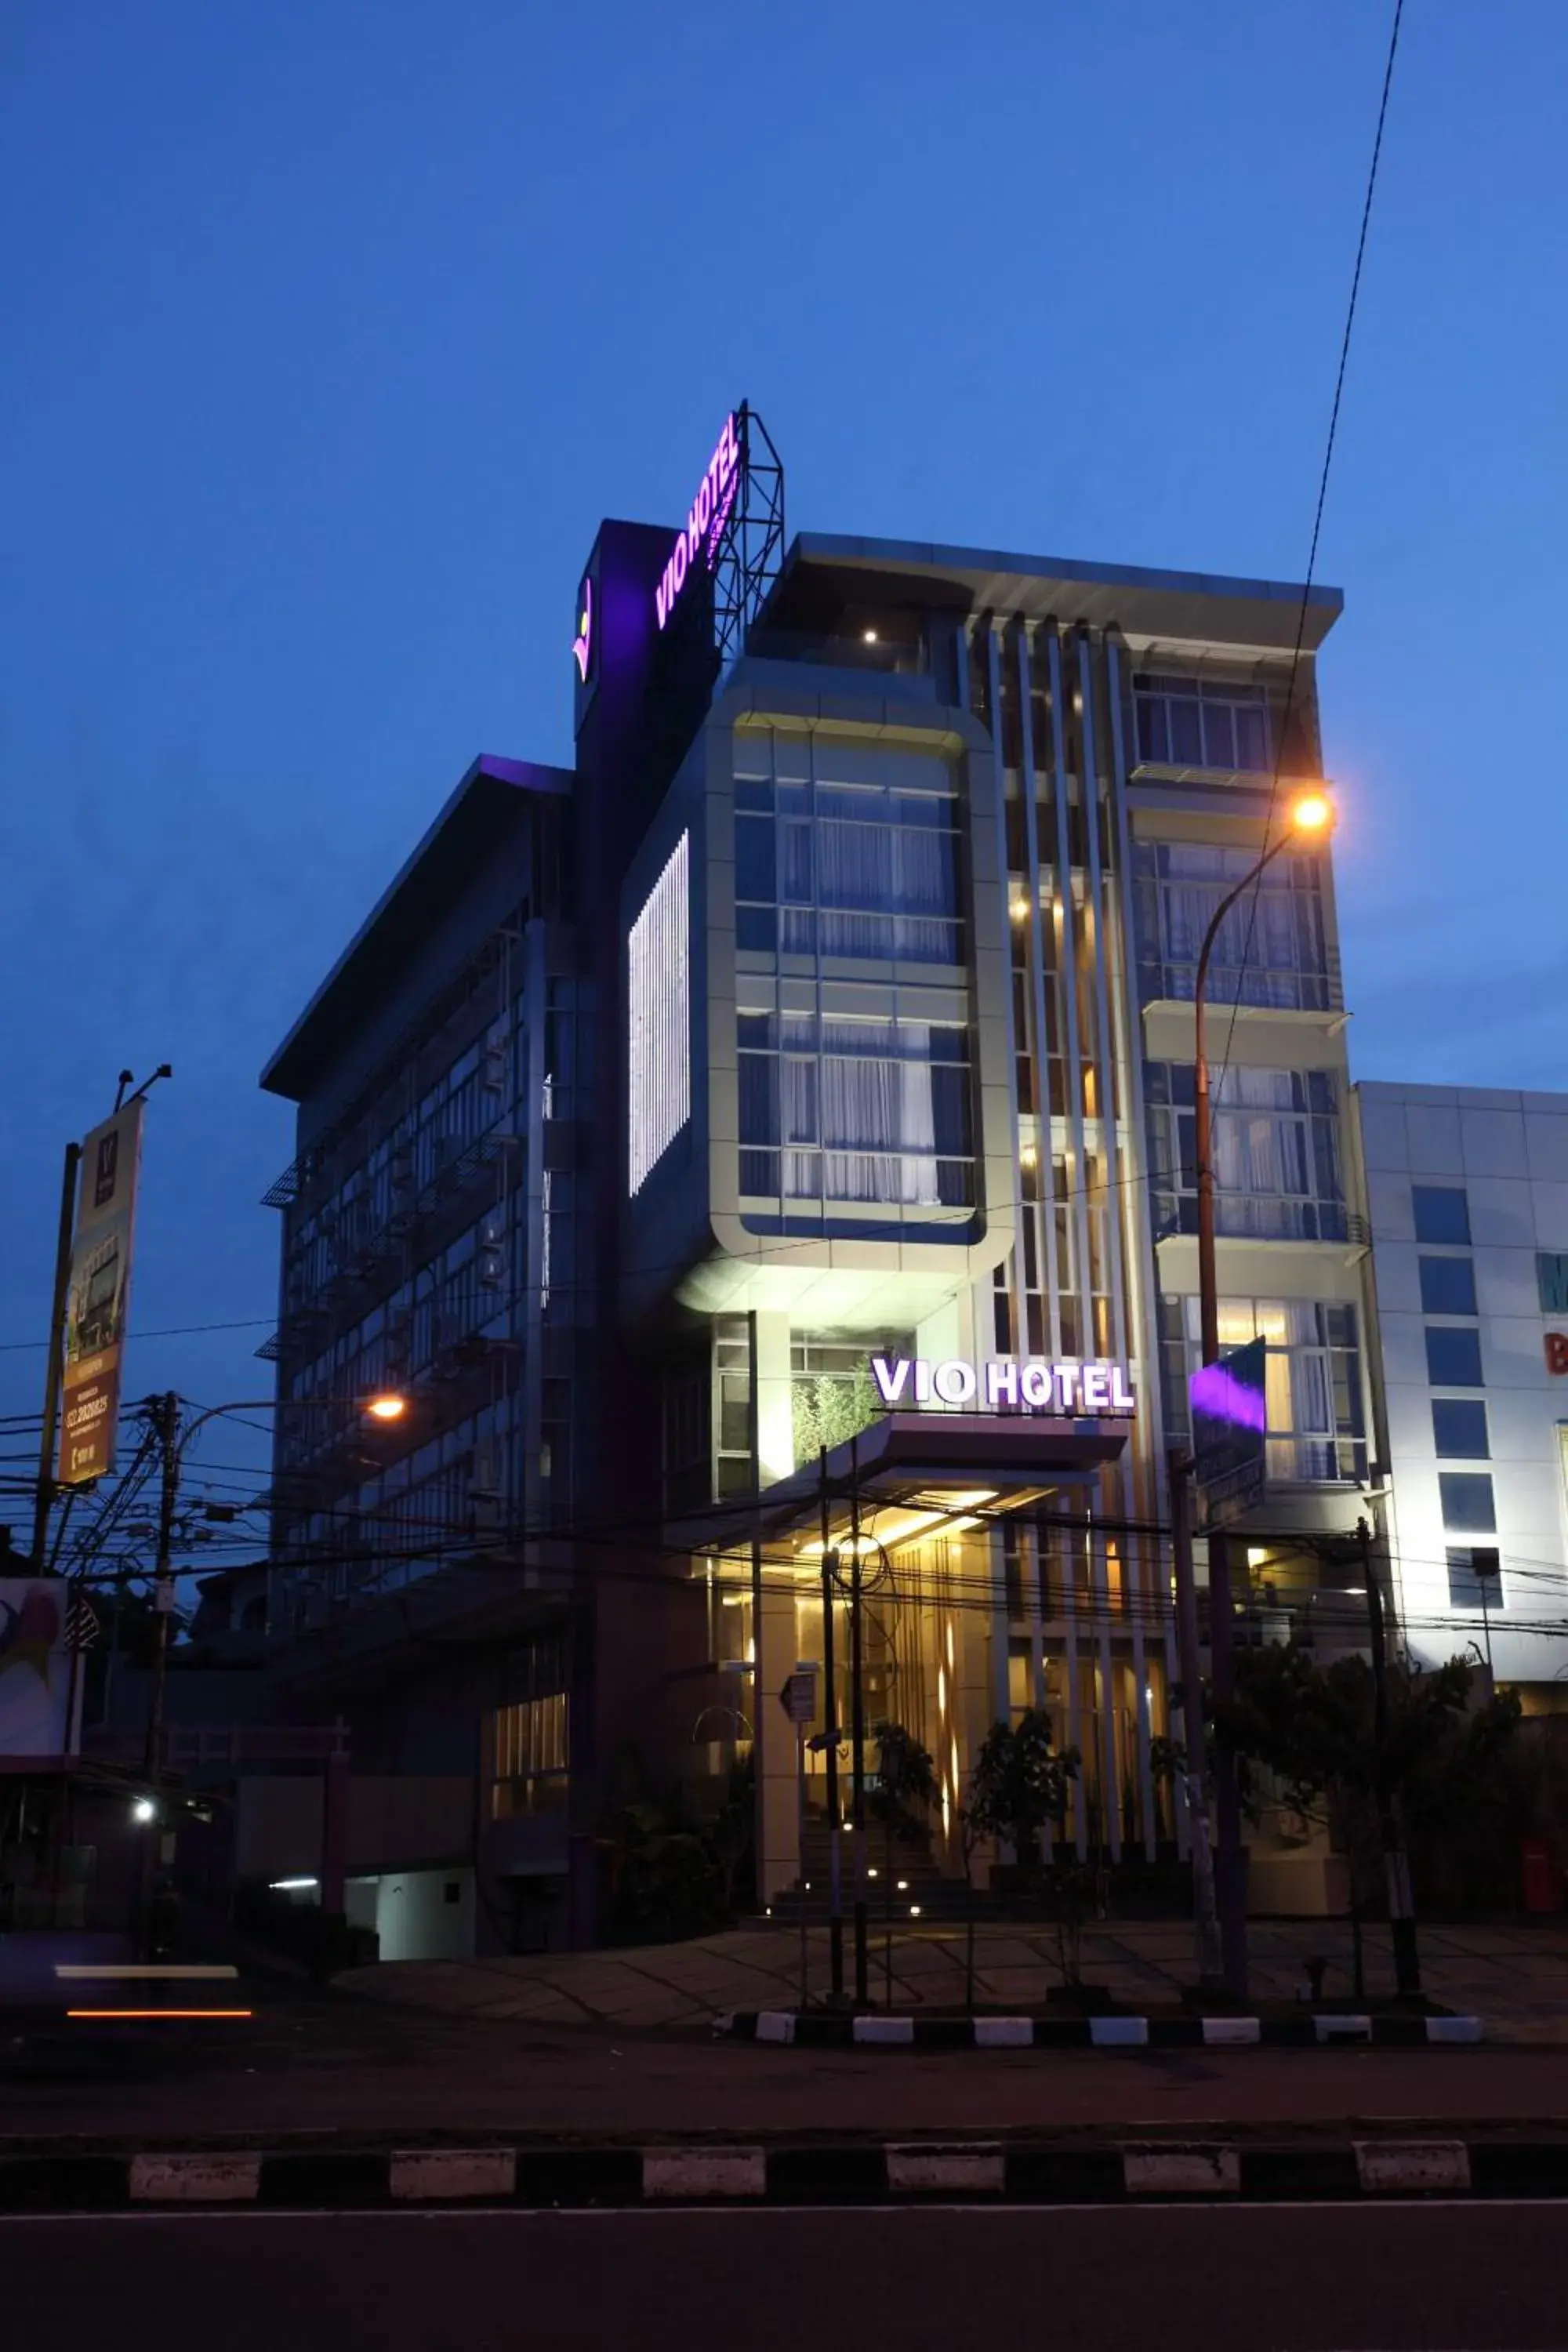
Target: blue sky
{"type": "Point", "coordinates": [332, 329]}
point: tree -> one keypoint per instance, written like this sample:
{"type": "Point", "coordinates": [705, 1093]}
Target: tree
{"type": "Point", "coordinates": [1019, 1789]}
{"type": "Point", "coordinates": [899, 1796]}
{"type": "Point", "coordinates": [1315, 1731]}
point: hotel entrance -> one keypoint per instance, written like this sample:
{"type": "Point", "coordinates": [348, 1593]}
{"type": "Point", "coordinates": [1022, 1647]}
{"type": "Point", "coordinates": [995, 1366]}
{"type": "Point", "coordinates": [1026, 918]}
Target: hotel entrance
{"type": "Point", "coordinates": [967, 1545]}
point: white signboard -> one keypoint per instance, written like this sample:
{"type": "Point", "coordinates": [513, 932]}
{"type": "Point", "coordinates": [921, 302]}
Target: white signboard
{"type": "Point", "coordinates": [1071, 1387]}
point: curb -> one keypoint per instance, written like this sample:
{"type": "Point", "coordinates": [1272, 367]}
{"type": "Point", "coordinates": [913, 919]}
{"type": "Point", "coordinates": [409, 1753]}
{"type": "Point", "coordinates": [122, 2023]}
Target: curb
{"type": "Point", "coordinates": [843, 2171]}
{"type": "Point", "coordinates": [810, 2031]}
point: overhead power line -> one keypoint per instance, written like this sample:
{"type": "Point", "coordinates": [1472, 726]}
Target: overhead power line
{"type": "Point", "coordinates": [1317, 520]}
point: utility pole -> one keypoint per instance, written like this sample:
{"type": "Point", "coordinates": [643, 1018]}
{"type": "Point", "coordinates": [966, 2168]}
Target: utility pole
{"type": "Point", "coordinates": [1395, 1860]}
{"type": "Point", "coordinates": [1206, 1917]}
{"type": "Point", "coordinates": [830, 1750]}
{"type": "Point", "coordinates": [858, 1727]}
{"type": "Point", "coordinates": [165, 1418]}
{"type": "Point", "coordinates": [164, 1412]}
{"type": "Point", "coordinates": [47, 1488]}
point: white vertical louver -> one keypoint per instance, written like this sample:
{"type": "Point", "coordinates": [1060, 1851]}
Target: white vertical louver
{"type": "Point", "coordinates": [658, 1013]}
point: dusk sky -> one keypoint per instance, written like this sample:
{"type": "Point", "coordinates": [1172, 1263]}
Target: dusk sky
{"type": "Point", "coordinates": [332, 330]}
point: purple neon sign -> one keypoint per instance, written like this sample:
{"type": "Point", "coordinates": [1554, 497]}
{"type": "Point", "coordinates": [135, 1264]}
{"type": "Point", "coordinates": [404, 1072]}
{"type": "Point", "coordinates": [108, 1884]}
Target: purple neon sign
{"type": "Point", "coordinates": [582, 643]}
{"type": "Point", "coordinates": [705, 524]}
{"type": "Point", "coordinates": [1215, 1390]}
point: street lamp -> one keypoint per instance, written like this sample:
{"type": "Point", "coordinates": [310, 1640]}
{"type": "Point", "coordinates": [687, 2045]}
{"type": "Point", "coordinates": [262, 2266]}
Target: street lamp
{"type": "Point", "coordinates": [385, 1406]}
{"type": "Point", "coordinates": [1311, 814]}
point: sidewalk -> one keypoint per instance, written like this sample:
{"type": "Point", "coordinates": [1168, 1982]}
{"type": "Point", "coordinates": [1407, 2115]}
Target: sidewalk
{"type": "Point", "coordinates": [1514, 1978]}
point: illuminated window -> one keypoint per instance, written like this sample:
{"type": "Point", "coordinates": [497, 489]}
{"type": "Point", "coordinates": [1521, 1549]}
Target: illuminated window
{"type": "Point", "coordinates": [529, 1768]}
{"type": "Point", "coordinates": [658, 1012]}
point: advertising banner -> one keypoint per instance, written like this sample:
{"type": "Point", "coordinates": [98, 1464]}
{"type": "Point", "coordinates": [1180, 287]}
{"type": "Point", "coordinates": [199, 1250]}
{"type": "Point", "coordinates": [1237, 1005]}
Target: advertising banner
{"type": "Point", "coordinates": [1230, 1427]}
{"type": "Point", "coordinates": [97, 1297]}
{"type": "Point", "coordinates": [35, 1666]}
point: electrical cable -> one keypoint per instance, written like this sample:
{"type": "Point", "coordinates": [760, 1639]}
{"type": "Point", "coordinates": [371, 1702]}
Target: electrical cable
{"type": "Point", "coordinates": [1317, 523]}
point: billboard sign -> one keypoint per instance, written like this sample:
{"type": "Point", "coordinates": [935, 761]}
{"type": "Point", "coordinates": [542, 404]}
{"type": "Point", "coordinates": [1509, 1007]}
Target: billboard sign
{"type": "Point", "coordinates": [97, 1297]}
{"type": "Point", "coordinates": [1230, 1429]}
{"type": "Point", "coordinates": [35, 1666]}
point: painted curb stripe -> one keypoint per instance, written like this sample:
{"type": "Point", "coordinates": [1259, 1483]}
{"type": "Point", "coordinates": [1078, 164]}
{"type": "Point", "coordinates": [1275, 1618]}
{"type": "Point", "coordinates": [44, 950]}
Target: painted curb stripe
{"type": "Point", "coordinates": [1004, 2033]}
{"type": "Point", "coordinates": [704, 2172]}
{"type": "Point", "coordinates": [823, 2029]}
{"type": "Point", "coordinates": [833, 2171]}
{"type": "Point", "coordinates": [195, 2179]}
{"type": "Point", "coordinates": [1169, 2169]}
{"type": "Point", "coordinates": [965, 2169]}
{"type": "Point", "coordinates": [1403, 2168]}
{"type": "Point", "coordinates": [414, 2175]}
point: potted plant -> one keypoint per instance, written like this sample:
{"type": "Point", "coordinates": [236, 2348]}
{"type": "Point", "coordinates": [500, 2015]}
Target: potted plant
{"type": "Point", "coordinates": [1017, 1793]}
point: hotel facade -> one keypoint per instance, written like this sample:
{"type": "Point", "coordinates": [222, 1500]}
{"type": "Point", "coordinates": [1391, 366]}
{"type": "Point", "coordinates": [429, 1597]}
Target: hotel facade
{"type": "Point", "coordinates": [773, 1136]}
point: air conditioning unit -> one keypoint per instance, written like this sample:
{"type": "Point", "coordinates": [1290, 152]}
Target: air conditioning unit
{"type": "Point", "coordinates": [493, 1062]}
{"type": "Point", "coordinates": [486, 1477]}
{"type": "Point", "coordinates": [492, 1268]}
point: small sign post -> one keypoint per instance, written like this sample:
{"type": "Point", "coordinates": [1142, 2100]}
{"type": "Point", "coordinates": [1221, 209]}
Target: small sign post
{"type": "Point", "coordinates": [1230, 1427]}
{"type": "Point", "coordinates": [798, 1700]}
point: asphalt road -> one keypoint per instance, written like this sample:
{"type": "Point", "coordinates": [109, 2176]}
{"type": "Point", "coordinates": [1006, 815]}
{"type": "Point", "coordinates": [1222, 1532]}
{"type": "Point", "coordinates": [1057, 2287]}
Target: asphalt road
{"type": "Point", "coordinates": [1452, 2278]}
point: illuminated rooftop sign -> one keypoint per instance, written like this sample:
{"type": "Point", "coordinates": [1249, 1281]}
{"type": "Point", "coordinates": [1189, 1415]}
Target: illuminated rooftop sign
{"type": "Point", "coordinates": [1070, 1387]}
{"type": "Point", "coordinates": [704, 525]}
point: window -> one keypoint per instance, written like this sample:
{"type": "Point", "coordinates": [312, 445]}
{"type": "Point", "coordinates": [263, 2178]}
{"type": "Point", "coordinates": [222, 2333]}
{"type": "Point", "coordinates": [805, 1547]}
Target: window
{"type": "Point", "coordinates": [1453, 1357]}
{"type": "Point", "coordinates": [1317, 1427]}
{"type": "Point", "coordinates": [1442, 1213]}
{"type": "Point", "coordinates": [1448, 1285]}
{"type": "Point", "coordinates": [1272, 947]}
{"type": "Point", "coordinates": [1474, 1577]}
{"type": "Point", "coordinates": [529, 1771]}
{"type": "Point", "coordinates": [855, 1110]}
{"type": "Point", "coordinates": [1467, 1505]}
{"type": "Point", "coordinates": [1552, 1280]}
{"type": "Point", "coordinates": [1275, 1153]}
{"type": "Point", "coordinates": [861, 859]}
{"type": "Point", "coordinates": [1185, 722]}
{"type": "Point", "coordinates": [1459, 1428]}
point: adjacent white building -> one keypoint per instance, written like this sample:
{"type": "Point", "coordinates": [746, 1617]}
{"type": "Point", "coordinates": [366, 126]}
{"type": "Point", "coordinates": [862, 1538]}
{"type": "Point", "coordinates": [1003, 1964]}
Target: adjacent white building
{"type": "Point", "coordinates": [1467, 1198]}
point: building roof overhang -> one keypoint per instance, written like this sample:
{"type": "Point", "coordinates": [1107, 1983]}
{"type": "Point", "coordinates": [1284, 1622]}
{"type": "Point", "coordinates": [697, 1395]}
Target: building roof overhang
{"type": "Point", "coordinates": [1196, 607]}
{"type": "Point", "coordinates": [477, 817]}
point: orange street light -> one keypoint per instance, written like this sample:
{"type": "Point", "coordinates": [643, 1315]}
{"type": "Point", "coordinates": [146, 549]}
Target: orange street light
{"type": "Point", "coordinates": [1312, 813]}
{"type": "Point", "coordinates": [387, 1408]}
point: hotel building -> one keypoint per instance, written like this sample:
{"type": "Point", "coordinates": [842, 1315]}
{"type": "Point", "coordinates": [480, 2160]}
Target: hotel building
{"type": "Point", "coordinates": [775, 1131]}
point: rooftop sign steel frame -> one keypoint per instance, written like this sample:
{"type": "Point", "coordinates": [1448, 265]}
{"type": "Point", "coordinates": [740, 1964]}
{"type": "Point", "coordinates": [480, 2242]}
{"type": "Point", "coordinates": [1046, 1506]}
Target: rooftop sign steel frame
{"type": "Point", "coordinates": [735, 530]}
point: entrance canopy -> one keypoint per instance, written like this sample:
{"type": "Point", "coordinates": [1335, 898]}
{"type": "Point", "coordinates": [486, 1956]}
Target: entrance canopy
{"type": "Point", "coordinates": [911, 1474]}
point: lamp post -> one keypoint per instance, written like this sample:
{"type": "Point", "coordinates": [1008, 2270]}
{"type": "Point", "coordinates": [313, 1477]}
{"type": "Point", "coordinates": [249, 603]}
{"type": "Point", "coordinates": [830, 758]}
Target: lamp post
{"type": "Point", "coordinates": [164, 1412]}
{"type": "Point", "coordinates": [1312, 813]}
